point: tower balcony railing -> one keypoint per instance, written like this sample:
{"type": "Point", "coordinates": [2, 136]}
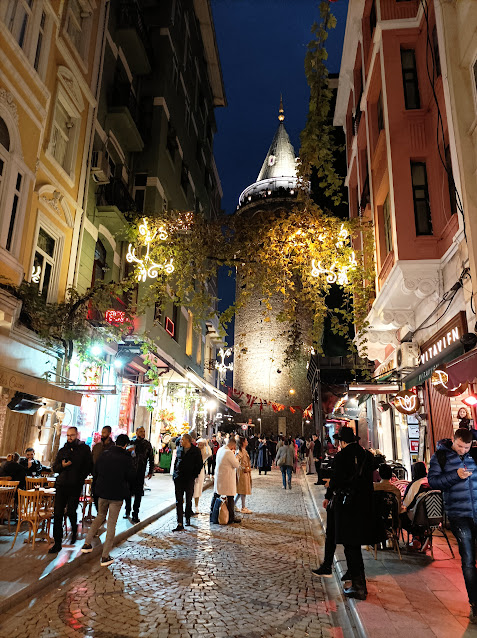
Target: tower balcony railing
{"type": "Point", "coordinates": [273, 187]}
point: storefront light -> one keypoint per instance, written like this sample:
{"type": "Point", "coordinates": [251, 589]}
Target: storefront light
{"type": "Point", "coordinates": [96, 349]}
{"type": "Point", "coordinates": [211, 405]}
{"type": "Point", "coordinates": [471, 401]}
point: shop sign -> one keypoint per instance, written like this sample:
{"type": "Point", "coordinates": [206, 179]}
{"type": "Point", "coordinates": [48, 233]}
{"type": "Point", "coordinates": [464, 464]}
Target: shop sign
{"type": "Point", "coordinates": [414, 446]}
{"type": "Point", "coordinates": [406, 402]}
{"type": "Point", "coordinates": [115, 317]}
{"type": "Point", "coordinates": [444, 338]}
{"type": "Point", "coordinates": [386, 367]}
{"type": "Point", "coordinates": [440, 382]}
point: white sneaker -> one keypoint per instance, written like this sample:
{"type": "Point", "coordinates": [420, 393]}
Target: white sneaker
{"type": "Point", "coordinates": [245, 510]}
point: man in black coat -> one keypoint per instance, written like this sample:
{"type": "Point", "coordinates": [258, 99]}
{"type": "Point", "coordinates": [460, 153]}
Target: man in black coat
{"type": "Point", "coordinates": [352, 485]}
{"type": "Point", "coordinates": [142, 455]}
{"type": "Point", "coordinates": [187, 468]}
{"type": "Point", "coordinates": [73, 463]}
{"type": "Point", "coordinates": [15, 471]}
{"type": "Point", "coordinates": [31, 465]}
{"type": "Point", "coordinates": [114, 473]}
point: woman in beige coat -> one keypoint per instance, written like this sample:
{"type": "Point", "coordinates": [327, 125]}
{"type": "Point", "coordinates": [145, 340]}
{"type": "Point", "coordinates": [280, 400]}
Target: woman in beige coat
{"type": "Point", "coordinates": [244, 473]}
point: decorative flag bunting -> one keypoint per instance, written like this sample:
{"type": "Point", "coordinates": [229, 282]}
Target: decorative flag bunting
{"type": "Point", "coordinates": [276, 407]}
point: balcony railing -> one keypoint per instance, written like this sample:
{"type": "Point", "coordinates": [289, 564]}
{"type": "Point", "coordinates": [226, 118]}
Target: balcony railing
{"type": "Point", "coordinates": [116, 194]}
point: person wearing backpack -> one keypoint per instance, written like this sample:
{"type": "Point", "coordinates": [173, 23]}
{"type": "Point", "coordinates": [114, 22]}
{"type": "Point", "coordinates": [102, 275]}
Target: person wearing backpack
{"type": "Point", "coordinates": [453, 469]}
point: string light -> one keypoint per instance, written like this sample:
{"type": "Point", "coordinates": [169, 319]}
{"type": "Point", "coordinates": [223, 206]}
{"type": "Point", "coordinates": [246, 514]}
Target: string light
{"type": "Point", "coordinates": [335, 273]}
{"type": "Point", "coordinates": [146, 266]}
{"type": "Point", "coordinates": [221, 366]}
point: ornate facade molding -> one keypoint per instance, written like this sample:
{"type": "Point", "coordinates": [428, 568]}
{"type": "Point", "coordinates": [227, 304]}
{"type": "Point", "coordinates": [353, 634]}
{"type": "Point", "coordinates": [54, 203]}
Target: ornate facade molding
{"type": "Point", "coordinates": [7, 99]}
{"type": "Point", "coordinates": [72, 86]}
{"type": "Point", "coordinates": [57, 203]}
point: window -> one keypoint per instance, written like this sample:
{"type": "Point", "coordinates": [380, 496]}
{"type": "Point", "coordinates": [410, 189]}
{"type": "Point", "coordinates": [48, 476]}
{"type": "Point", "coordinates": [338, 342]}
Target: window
{"type": "Point", "coordinates": [39, 42]}
{"type": "Point", "coordinates": [409, 77]}
{"type": "Point", "coordinates": [139, 191]}
{"type": "Point", "coordinates": [158, 312]}
{"type": "Point", "coordinates": [372, 18]}
{"type": "Point", "coordinates": [171, 142]}
{"type": "Point", "coordinates": [44, 264]}
{"type": "Point", "coordinates": [474, 69]}
{"type": "Point", "coordinates": [380, 113]}
{"type": "Point", "coordinates": [175, 72]}
{"type": "Point", "coordinates": [450, 181]}
{"type": "Point", "coordinates": [14, 210]}
{"type": "Point", "coordinates": [100, 266]}
{"type": "Point", "coordinates": [198, 354]}
{"type": "Point", "coordinates": [4, 154]}
{"type": "Point", "coordinates": [435, 50]}
{"type": "Point", "coordinates": [420, 194]}
{"type": "Point", "coordinates": [64, 135]}
{"type": "Point", "coordinates": [185, 177]}
{"type": "Point", "coordinates": [388, 233]}
{"type": "Point", "coordinates": [18, 18]}
{"type": "Point", "coordinates": [78, 25]}
{"type": "Point", "coordinates": [190, 334]}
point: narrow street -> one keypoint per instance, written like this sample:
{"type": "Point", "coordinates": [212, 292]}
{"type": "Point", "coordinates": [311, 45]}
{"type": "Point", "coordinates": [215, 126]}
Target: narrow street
{"type": "Point", "coordinates": [251, 580]}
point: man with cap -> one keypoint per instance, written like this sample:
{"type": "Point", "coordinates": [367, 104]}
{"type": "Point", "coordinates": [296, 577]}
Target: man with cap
{"type": "Point", "coordinates": [352, 486]}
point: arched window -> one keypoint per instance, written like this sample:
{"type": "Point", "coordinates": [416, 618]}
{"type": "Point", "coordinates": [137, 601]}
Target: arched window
{"type": "Point", "coordinates": [4, 148]}
{"type": "Point", "coordinates": [11, 189]}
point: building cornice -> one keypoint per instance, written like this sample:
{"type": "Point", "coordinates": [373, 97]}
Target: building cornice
{"type": "Point", "coordinates": [203, 12]}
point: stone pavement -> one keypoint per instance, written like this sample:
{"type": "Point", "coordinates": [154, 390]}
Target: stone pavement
{"type": "Point", "coordinates": [250, 581]}
{"type": "Point", "coordinates": [412, 597]}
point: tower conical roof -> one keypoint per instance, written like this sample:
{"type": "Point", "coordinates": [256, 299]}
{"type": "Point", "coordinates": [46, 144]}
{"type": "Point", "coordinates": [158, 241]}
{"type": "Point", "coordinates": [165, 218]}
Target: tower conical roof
{"type": "Point", "coordinates": [280, 159]}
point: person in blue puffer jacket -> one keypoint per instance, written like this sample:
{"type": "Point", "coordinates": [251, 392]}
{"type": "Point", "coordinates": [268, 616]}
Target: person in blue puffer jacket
{"type": "Point", "coordinates": [453, 470]}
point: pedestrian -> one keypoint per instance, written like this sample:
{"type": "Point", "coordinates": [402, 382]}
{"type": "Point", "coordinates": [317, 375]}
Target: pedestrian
{"type": "Point", "coordinates": [206, 453]}
{"type": "Point", "coordinates": [187, 467]}
{"type": "Point", "coordinates": [14, 470]}
{"type": "Point", "coordinates": [244, 474]}
{"type": "Point", "coordinates": [105, 443]}
{"type": "Point", "coordinates": [325, 569]}
{"type": "Point", "coordinates": [252, 449]}
{"type": "Point", "coordinates": [317, 458]}
{"type": "Point", "coordinates": [73, 463]}
{"type": "Point", "coordinates": [285, 460]}
{"type": "Point", "coordinates": [114, 473]}
{"type": "Point", "coordinates": [225, 482]}
{"type": "Point", "coordinates": [264, 460]}
{"type": "Point", "coordinates": [214, 447]}
{"type": "Point", "coordinates": [352, 484]}
{"type": "Point", "coordinates": [32, 466]}
{"type": "Point", "coordinates": [309, 456]}
{"type": "Point", "coordinates": [272, 446]}
{"type": "Point", "coordinates": [142, 455]}
{"type": "Point", "coordinates": [453, 469]}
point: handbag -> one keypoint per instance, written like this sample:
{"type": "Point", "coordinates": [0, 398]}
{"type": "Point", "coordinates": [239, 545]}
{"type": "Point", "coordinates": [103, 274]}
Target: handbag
{"type": "Point", "coordinates": [281, 461]}
{"type": "Point", "coordinates": [223, 512]}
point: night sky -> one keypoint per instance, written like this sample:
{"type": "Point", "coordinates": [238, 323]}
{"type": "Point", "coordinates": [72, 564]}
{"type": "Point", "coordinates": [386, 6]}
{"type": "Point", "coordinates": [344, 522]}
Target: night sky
{"type": "Point", "coordinates": [262, 46]}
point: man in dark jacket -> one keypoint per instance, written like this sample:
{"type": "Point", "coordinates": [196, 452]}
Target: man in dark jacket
{"type": "Point", "coordinates": [101, 446]}
{"type": "Point", "coordinates": [31, 465]}
{"type": "Point", "coordinates": [73, 463]}
{"type": "Point", "coordinates": [453, 469]}
{"type": "Point", "coordinates": [187, 468]}
{"type": "Point", "coordinates": [317, 458]}
{"type": "Point", "coordinates": [114, 473]}
{"type": "Point", "coordinates": [142, 455]}
{"type": "Point", "coordinates": [352, 485]}
{"type": "Point", "coordinates": [15, 471]}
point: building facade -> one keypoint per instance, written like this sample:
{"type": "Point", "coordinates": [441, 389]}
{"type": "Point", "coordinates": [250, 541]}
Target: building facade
{"type": "Point", "coordinates": [403, 175]}
{"type": "Point", "coordinates": [262, 377]}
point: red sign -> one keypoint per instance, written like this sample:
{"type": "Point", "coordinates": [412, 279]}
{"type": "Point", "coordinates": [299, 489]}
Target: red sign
{"type": "Point", "coordinates": [244, 426]}
{"type": "Point", "coordinates": [115, 316]}
{"type": "Point", "coordinates": [170, 327]}
{"type": "Point", "coordinates": [414, 447]}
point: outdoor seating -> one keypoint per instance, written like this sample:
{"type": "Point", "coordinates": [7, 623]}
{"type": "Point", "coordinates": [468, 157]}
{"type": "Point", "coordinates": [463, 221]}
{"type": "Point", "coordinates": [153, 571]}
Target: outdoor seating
{"type": "Point", "coordinates": [32, 512]}
{"type": "Point", "coordinates": [387, 522]}
{"type": "Point", "coordinates": [35, 481]}
{"type": "Point", "coordinates": [7, 499]}
{"type": "Point", "coordinates": [399, 471]}
{"type": "Point", "coordinates": [429, 515]}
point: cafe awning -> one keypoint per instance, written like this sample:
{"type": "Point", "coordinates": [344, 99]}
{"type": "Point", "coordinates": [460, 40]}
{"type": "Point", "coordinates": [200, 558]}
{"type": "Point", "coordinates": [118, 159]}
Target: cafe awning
{"type": "Point", "coordinates": [21, 382]}
{"type": "Point", "coordinates": [373, 388]}
{"type": "Point", "coordinates": [463, 369]}
{"type": "Point", "coordinates": [424, 372]}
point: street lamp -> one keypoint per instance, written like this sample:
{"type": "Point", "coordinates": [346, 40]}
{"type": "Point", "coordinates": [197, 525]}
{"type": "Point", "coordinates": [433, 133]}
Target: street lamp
{"type": "Point", "coordinates": [260, 422]}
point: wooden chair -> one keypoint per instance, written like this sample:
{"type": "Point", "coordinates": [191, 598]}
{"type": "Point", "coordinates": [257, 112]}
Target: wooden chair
{"type": "Point", "coordinates": [35, 481]}
{"type": "Point", "coordinates": [86, 501]}
{"type": "Point", "coordinates": [30, 511]}
{"type": "Point", "coordinates": [7, 499]}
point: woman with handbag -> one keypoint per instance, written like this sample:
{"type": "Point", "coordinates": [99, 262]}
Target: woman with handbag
{"type": "Point", "coordinates": [352, 485]}
{"type": "Point", "coordinates": [285, 459]}
{"type": "Point", "coordinates": [264, 462]}
{"type": "Point", "coordinates": [244, 474]}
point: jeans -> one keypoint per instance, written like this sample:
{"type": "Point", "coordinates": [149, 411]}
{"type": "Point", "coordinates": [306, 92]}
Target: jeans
{"type": "Point", "coordinates": [330, 544]}
{"type": "Point", "coordinates": [286, 473]}
{"type": "Point", "coordinates": [465, 532]}
{"type": "Point", "coordinates": [111, 510]}
{"type": "Point", "coordinates": [253, 458]}
{"type": "Point", "coordinates": [69, 500]}
{"type": "Point", "coordinates": [354, 560]}
{"type": "Point", "coordinates": [137, 490]}
{"type": "Point", "coordinates": [182, 487]}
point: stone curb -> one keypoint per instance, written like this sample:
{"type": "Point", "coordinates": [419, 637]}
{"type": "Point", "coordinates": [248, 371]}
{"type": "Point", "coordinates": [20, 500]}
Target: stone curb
{"type": "Point", "coordinates": [66, 570]}
{"type": "Point", "coordinates": [350, 602]}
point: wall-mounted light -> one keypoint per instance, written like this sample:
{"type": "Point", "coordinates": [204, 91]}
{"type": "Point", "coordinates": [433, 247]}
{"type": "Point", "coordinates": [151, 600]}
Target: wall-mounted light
{"type": "Point", "coordinates": [470, 401]}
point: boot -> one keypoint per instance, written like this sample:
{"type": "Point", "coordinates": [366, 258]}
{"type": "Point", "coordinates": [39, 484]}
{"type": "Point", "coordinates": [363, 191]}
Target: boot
{"type": "Point", "coordinates": [358, 588]}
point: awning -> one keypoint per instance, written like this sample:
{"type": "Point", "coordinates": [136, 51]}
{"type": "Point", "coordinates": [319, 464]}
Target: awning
{"type": "Point", "coordinates": [424, 372]}
{"type": "Point", "coordinates": [463, 369]}
{"type": "Point", "coordinates": [373, 388]}
{"type": "Point", "coordinates": [230, 403]}
{"type": "Point", "coordinates": [21, 382]}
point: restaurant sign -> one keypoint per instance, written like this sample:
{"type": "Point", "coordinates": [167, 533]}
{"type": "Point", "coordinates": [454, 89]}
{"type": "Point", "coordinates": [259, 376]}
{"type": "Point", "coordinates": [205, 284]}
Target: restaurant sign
{"type": "Point", "coordinates": [446, 337]}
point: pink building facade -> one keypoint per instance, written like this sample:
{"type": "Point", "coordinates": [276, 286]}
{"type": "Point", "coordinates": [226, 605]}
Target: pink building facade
{"type": "Point", "coordinates": [402, 174]}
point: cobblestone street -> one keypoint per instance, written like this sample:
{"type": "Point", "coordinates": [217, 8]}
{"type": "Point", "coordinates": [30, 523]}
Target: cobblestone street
{"type": "Point", "coordinates": [250, 580]}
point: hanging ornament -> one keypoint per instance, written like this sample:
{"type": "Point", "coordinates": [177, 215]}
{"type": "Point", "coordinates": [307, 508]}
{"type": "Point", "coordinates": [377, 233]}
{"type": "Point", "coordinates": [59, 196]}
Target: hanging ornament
{"type": "Point", "coordinates": [221, 366]}
{"type": "Point", "coordinates": [146, 266]}
{"type": "Point", "coordinates": [406, 402]}
{"type": "Point", "coordinates": [440, 382]}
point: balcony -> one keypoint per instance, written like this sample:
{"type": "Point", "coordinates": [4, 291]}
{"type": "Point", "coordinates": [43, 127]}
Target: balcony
{"type": "Point", "coordinates": [124, 117]}
{"type": "Point", "coordinates": [115, 205]}
{"type": "Point", "coordinates": [365, 199]}
{"type": "Point", "coordinates": [133, 38]}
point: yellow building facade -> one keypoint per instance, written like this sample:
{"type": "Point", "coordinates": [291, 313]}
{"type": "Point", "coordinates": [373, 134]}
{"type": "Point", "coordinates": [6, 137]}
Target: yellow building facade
{"type": "Point", "coordinates": [51, 55]}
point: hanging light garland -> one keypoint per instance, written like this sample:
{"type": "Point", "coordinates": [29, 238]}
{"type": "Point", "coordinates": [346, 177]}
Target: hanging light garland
{"type": "Point", "coordinates": [335, 274]}
{"type": "Point", "coordinates": [146, 266]}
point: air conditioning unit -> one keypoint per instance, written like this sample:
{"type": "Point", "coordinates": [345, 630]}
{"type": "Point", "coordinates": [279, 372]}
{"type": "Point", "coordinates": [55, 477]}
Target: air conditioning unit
{"type": "Point", "coordinates": [100, 168]}
{"type": "Point", "coordinates": [407, 356]}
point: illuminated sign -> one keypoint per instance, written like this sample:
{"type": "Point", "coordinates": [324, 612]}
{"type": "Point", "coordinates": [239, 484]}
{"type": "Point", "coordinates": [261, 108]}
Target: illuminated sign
{"type": "Point", "coordinates": [115, 316]}
{"type": "Point", "coordinates": [170, 327]}
{"type": "Point", "coordinates": [440, 382]}
{"type": "Point", "coordinates": [406, 402]}
{"type": "Point", "coordinates": [445, 338]}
